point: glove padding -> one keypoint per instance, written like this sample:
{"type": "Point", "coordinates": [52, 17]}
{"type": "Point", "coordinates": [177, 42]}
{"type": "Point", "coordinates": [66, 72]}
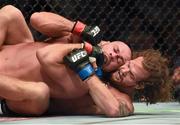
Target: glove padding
{"type": "Point", "coordinates": [95, 51]}
{"type": "Point", "coordinates": [99, 72]}
{"type": "Point", "coordinates": [78, 61]}
{"type": "Point", "coordinates": [91, 34]}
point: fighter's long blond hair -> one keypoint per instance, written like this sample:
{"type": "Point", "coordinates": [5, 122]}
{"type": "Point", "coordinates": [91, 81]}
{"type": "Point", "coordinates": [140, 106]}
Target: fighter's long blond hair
{"type": "Point", "coordinates": [158, 86]}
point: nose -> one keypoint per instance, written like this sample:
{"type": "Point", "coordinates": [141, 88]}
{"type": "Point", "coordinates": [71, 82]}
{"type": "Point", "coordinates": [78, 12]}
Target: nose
{"type": "Point", "coordinates": [113, 55]}
{"type": "Point", "coordinates": [125, 70]}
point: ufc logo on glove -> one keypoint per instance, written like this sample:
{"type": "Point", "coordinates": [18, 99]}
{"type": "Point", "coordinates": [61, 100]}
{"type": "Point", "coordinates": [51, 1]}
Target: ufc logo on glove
{"type": "Point", "coordinates": [78, 56]}
{"type": "Point", "coordinates": [95, 31]}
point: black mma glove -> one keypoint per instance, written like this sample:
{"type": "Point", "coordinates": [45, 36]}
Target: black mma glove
{"type": "Point", "coordinates": [78, 61]}
{"type": "Point", "coordinates": [91, 34]}
{"type": "Point", "coordinates": [95, 51]}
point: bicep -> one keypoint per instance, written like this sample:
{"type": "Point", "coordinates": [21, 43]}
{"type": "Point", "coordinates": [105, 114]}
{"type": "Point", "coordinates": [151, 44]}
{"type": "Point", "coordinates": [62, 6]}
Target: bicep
{"type": "Point", "coordinates": [54, 53]}
{"type": "Point", "coordinates": [67, 38]}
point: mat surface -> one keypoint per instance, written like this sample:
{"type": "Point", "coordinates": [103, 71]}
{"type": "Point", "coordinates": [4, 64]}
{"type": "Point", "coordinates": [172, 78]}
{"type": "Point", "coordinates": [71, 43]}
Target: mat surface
{"type": "Point", "coordinates": [160, 113]}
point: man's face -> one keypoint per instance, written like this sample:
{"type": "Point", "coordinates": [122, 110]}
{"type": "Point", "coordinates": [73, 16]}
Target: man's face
{"type": "Point", "coordinates": [130, 73]}
{"type": "Point", "coordinates": [116, 54]}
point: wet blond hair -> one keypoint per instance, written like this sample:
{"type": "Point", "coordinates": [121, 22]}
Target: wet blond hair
{"type": "Point", "coordinates": [157, 87]}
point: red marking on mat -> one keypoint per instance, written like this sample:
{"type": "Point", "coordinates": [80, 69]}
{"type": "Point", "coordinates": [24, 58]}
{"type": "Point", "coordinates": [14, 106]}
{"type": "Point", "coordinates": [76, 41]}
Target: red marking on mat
{"type": "Point", "coordinates": [8, 119]}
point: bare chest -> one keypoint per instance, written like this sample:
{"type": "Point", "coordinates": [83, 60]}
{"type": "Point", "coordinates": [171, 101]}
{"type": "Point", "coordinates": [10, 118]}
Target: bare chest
{"type": "Point", "coordinates": [19, 63]}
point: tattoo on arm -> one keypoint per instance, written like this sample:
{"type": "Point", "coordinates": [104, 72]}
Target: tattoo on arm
{"type": "Point", "coordinates": [123, 109]}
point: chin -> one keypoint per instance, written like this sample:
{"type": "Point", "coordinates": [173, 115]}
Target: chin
{"type": "Point", "coordinates": [113, 79]}
{"type": "Point", "coordinates": [105, 69]}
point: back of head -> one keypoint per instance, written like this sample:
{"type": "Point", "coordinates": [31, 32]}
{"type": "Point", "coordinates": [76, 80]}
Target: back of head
{"type": "Point", "coordinates": [157, 87]}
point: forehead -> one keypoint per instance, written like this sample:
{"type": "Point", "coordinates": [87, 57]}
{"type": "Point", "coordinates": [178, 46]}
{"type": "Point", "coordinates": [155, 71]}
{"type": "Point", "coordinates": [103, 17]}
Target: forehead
{"type": "Point", "coordinates": [115, 43]}
{"type": "Point", "coordinates": [124, 50]}
{"type": "Point", "coordinates": [120, 44]}
{"type": "Point", "coordinates": [138, 69]}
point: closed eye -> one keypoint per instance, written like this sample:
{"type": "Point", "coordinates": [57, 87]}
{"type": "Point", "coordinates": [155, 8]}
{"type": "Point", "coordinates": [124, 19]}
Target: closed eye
{"type": "Point", "coordinates": [116, 49]}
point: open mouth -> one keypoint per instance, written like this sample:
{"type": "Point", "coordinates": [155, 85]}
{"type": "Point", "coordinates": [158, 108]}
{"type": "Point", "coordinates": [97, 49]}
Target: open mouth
{"type": "Point", "coordinates": [118, 76]}
{"type": "Point", "coordinates": [106, 59]}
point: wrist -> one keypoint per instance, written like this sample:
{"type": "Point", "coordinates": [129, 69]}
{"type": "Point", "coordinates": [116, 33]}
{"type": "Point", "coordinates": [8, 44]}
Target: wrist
{"type": "Point", "coordinates": [86, 72]}
{"type": "Point", "coordinates": [91, 80]}
{"type": "Point", "coordinates": [78, 28]}
{"type": "Point", "coordinates": [71, 27]}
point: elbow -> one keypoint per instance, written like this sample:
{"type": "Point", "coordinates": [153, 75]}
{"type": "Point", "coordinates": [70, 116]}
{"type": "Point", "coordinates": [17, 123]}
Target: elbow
{"type": "Point", "coordinates": [121, 110]}
{"type": "Point", "coordinates": [35, 19]}
{"type": "Point", "coordinates": [40, 54]}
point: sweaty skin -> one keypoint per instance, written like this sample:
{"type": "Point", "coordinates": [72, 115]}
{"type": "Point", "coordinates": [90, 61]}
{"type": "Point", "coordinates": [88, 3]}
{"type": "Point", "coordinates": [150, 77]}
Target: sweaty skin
{"type": "Point", "coordinates": [29, 69]}
{"type": "Point", "coordinates": [64, 84]}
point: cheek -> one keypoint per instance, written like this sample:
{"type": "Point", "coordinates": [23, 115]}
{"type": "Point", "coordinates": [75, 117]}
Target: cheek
{"type": "Point", "coordinates": [127, 56]}
{"type": "Point", "coordinates": [107, 68]}
{"type": "Point", "coordinates": [128, 82]}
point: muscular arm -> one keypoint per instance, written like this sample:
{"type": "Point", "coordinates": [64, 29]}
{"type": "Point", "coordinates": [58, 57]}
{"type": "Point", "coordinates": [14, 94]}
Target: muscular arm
{"type": "Point", "coordinates": [54, 53]}
{"type": "Point", "coordinates": [51, 24]}
{"type": "Point", "coordinates": [51, 56]}
{"type": "Point", "coordinates": [107, 100]}
{"type": "Point", "coordinates": [18, 90]}
{"type": "Point", "coordinates": [13, 27]}
{"type": "Point", "coordinates": [55, 26]}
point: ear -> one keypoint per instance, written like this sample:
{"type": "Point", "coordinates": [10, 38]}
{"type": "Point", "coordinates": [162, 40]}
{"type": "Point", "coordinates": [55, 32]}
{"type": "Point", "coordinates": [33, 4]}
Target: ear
{"type": "Point", "coordinates": [139, 86]}
{"type": "Point", "coordinates": [103, 43]}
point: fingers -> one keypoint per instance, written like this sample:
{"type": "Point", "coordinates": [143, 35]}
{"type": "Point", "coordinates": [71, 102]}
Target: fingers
{"type": "Point", "coordinates": [93, 62]}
